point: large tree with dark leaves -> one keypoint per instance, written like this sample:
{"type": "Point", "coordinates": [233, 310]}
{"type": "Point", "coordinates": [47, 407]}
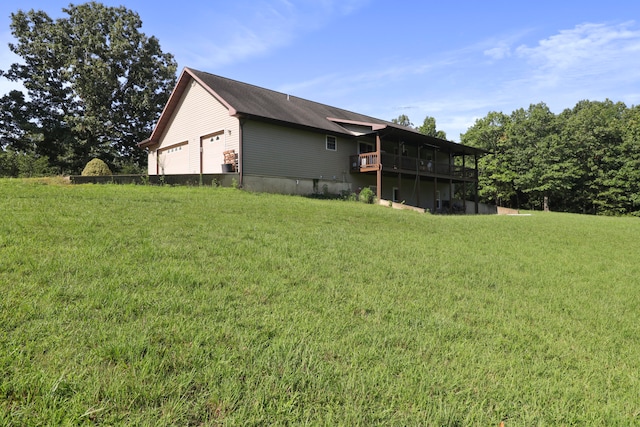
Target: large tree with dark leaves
{"type": "Point", "coordinates": [95, 85]}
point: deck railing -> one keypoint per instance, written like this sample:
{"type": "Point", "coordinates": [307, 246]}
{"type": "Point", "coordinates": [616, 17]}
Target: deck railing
{"type": "Point", "coordinates": [367, 162]}
{"type": "Point", "coordinates": [364, 162]}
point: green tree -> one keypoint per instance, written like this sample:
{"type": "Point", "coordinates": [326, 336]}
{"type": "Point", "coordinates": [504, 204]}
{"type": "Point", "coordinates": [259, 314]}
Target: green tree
{"type": "Point", "coordinates": [95, 83]}
{"type": "Point", "coordinates": [623, 185]}
{"type": "Point", "coordinates": [592, 132]}
{"type": "Point", "coordinates": [496, 174]}
{"type": "Point", "coordinates": [15, 127]}
{"type": "Point", "coordinates": [402, 120]}
{"type": "Point", "coordinates": [543, 169]}
{"type": "Point", "coordinates": [428, 128]}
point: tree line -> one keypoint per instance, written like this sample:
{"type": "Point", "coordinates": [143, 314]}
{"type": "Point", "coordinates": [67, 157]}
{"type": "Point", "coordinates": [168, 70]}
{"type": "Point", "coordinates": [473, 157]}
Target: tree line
{"type": "Point", "coordinates": [584, 160]}
{"type": "Point", "coordinates": [94, 87]}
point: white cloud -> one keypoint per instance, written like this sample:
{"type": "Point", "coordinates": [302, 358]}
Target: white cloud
{"type": "Point", "coordinates": [256, 29]}
{"type": "Point", "coordinates": [244, 42]}
{"type": "Point", "coordinates": [343, 83]}
{"type": "Point", "coordinates": [589, 61]}
{"type": "Point", "coordinates": [499, 47]}
{"type": "Point", "coordinates": [587, 52]}
{"type": "Point", "coordinates": [498, 52]}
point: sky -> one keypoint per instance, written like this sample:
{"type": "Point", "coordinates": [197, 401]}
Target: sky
{"type": "Point", "coordinates": [454, 60]}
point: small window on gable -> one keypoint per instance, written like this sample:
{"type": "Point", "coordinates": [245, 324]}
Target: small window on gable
{"type": "Point", "coordinates": [332, 143]}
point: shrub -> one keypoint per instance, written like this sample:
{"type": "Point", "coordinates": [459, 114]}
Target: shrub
{"type": "Point", "coordinates": [129, 167]}
{"type": "Point", "coordinates": [96, 167]}
{"type": "Point", "coordinates": [17, 164]}
{"type": "Point", "coordinates": [366, 195]}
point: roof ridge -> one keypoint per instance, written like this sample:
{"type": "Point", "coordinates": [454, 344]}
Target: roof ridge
{"type": "Point", "coordinates": [348, 112]}
{"type": "Point", "coordinates": [237, 81]}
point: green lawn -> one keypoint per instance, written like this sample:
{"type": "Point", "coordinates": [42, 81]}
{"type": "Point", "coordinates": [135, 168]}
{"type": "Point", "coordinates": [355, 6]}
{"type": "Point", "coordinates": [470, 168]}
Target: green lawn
{"type": "Point", "coordinates": [146, 305]}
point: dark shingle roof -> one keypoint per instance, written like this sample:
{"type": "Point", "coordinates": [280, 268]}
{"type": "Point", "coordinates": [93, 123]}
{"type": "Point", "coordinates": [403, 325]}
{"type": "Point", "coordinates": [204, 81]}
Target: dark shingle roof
{"type": "Point", "coordinates": [243, 99]}
{"type": "Point", "coordinates": [255, 101]}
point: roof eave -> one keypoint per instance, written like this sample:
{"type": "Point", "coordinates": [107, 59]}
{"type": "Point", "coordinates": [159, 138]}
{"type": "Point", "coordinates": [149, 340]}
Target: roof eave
{"type": "Point", "coordinates": [442, 144]}
{"type": "Point", "coordinates": [146, 143]}
{"type": "Point", "coordinates": [374, 126]}
{"type": "Point", "coordinates": [344, 132]}
{"type": "Point", "coordinates": [185, 76]}
{"type": "Point", "coordinates": [171, 104]}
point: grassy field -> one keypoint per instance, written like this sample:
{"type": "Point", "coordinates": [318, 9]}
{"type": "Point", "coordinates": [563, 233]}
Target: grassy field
{"type": "Point", "coordinates": [145, 305]}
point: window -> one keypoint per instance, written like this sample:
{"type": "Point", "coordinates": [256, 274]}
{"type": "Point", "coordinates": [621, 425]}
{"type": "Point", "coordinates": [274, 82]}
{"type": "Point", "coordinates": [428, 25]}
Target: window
{"type": "Point", "coordinates": [365, 147]}
{"type": "Point", "coordinates": [332, 143]}
{"type": "Point", "coordinates": [172, 148]}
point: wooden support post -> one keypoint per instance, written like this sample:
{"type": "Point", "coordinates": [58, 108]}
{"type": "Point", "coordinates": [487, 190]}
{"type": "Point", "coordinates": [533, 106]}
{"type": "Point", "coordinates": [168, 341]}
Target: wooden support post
{"type": "Point", "coordinates": [450, 183]}
{"type": "Point", "coordinates": [435, 194]}
{"type": "Point", "coordinates": [476, 184]}
{"type": "Point", "coordinates": [464, 184]}
{"type": "Point", "coordinates": [379, 171]}
{"type": "Point", "coordinates": [450, 196]}
{"type": "Point", "coordinates": [418, 177]}
{"type": "Point", "coordinates": [464, 199]}
{"type": "Point", "coordinates": [400, 165]}
{"type": "Point", "coordinates": [435, 161]}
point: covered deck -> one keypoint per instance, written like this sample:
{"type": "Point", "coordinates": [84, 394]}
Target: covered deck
{"type": "Point", "coordinates": [402, 153]}
{"type": "Point", "coordinates": [372, 162]}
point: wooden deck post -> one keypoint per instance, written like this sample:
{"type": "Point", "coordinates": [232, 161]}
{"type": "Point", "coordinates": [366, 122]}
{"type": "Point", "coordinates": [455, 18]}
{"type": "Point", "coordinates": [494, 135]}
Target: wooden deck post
{"type": "Point", "coordinates": [464, 183]}
{"type": "Point", "coordinates": [400, 166]}
{"type": "Point", "coordinates": [450, 183]}
{"type": "Point", "coordinates": [435, 194]}
{"type": "Point", "coordinates": [418, 177]}
{"type": "Point", "coordinates": [379, 171]}
{"type": "Point", "coordinates": [476, 184]}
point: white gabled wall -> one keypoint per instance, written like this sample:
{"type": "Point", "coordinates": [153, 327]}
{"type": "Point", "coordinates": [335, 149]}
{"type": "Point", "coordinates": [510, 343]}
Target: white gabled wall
{"type": "Point", "coordinates": [197, 115]}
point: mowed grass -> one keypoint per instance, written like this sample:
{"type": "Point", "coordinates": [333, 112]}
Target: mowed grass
{"type": "Point", "coordinates": [139, 305]}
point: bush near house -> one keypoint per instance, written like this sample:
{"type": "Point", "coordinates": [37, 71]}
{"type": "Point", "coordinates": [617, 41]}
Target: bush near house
{"type": "Point", "coordinates": [96, 167]}
{"type": "Point", "coordinates": [367, 195]}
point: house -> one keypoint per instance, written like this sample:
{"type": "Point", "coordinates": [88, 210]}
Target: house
{"type": "Point", "coordinates": [275, 142]}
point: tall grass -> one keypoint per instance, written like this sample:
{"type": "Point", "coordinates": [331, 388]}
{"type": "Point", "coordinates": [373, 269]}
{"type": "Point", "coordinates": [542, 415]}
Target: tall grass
{"type": "Point", "coordinates": [203, 306]}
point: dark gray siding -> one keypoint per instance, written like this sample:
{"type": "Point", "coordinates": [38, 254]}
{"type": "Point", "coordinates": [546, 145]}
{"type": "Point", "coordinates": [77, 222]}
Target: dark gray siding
{"type": "Point", "coordinates": [273, 150]}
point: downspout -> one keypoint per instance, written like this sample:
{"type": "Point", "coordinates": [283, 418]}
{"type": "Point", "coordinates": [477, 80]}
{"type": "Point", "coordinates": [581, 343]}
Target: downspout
{"type": "Point", "coordinates": [201, 159]}
{"type": "Point", "coordinates": [241, 153]}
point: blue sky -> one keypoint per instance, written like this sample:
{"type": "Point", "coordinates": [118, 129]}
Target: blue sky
{"type": "Point", "coordinates": [453, 60]}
